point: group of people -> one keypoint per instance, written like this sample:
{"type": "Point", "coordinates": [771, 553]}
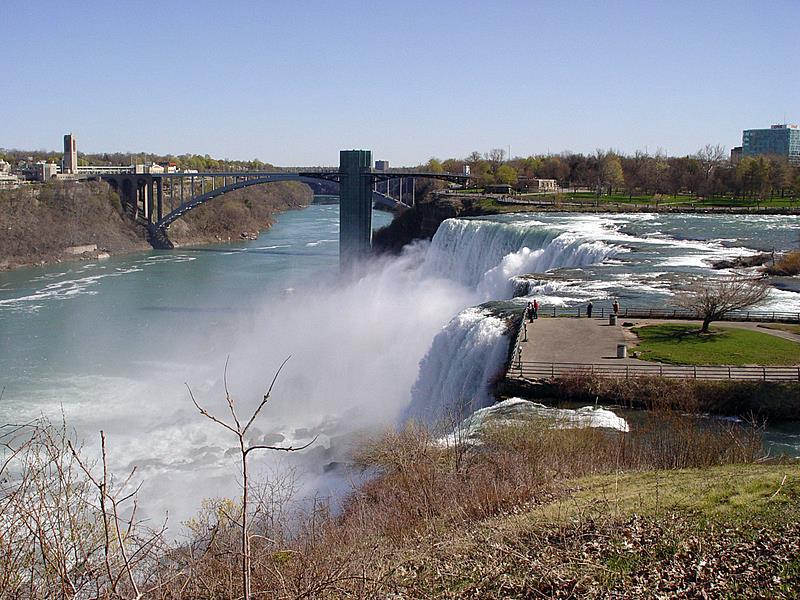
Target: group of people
{"type": "Point", "coordinates": [532, 309]}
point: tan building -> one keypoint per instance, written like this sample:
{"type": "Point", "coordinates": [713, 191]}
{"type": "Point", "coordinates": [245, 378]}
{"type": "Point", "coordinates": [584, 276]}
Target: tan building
{"type": "Point", "coordinates": [537, 185]}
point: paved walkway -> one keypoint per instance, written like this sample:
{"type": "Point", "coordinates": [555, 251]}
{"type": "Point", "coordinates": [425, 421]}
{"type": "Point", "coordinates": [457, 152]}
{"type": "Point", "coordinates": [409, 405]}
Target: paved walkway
{"type": "Point", "coordinates": [572, 340]}
{"type": "Point", "coordinates": [582, 341]}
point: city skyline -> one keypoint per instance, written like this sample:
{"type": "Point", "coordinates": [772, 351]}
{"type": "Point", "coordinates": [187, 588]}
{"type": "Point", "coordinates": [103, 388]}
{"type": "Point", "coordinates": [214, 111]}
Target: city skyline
{"type": "Point", "coordinates": [292, 85]}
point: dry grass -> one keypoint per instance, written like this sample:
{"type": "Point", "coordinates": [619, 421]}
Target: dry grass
{"type": "Point", "coordinates": [408, 531]}
{"type": "Point", "coordinates": [788, 264]}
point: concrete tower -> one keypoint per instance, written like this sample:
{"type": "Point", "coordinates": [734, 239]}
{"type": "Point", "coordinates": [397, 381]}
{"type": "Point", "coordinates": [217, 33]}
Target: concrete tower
{"type": "Point", "coordinates": [355, 205]}
{"type": "Point", "coordinates": [70, 164]}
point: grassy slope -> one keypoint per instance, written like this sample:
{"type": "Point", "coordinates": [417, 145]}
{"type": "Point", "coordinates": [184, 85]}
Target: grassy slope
{"type": "Point", "coordinates": [730, 530]}
{"type": "Point", "coordinates": [678, 343]}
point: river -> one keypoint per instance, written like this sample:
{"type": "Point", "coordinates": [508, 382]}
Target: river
{"type": "Point", "coordinates": [114, 344]}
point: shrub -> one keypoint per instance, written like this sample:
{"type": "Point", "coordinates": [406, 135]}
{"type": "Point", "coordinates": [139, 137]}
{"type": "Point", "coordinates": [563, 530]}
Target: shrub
{"type": "Point", "coordinates": [788, 264]}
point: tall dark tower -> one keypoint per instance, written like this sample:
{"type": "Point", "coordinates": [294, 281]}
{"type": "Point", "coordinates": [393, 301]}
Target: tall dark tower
{"type": "Point", "coordinates": [70, 162]}
{"type": "Point", "coordinates": [355, 205]}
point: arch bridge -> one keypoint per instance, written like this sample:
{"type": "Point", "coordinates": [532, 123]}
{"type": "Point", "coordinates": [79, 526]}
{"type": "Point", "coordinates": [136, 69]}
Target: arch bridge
{"type": "Point", "coordinates": [159, 199]}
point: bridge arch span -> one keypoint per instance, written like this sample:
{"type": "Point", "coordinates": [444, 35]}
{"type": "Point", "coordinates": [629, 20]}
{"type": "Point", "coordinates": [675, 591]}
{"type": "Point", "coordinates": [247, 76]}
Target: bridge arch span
{"type": "Point", "coordinates": [196, 201]}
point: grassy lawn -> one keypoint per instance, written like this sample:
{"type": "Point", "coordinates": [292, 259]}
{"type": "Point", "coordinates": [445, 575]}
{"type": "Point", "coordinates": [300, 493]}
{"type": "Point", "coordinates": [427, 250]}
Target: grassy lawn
{"type": "Point", "coordinates": [589, 199]}
{"type": "Point", "coordinates": [680, 344]}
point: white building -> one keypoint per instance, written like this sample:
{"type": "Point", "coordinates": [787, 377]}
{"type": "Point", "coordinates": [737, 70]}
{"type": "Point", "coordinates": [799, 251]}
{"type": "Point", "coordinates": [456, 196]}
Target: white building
{"type": "Point", "coordinates": [7, 180]}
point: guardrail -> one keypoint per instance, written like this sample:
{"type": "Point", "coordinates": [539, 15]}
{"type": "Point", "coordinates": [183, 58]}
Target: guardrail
{"type": "Point", "coordinates": [676, 313]}
{"type": "Point", "coordinates": [541, 370]}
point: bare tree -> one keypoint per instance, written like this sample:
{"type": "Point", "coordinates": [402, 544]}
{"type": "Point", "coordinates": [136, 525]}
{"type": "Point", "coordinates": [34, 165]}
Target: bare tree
{"type": "Point", "coordinates": [240, 428]}
{"type": "Point", "coordinates": [64, 534]}
{"type": "Point", "coordinates": [713, 299]}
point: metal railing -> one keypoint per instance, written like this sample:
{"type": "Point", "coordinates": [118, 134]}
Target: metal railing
{"type": "Point", "coordinates": [674, 313]}
{"type": "Point", "coordinates": [543, 370]}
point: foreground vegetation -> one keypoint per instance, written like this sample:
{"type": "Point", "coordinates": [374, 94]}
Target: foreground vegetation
{"type": "Point", "coordinates": [676, 505]}
{"type": "Point", "coordinates": [723, 532]}
{"type": "Point", "coordinates": [682, 344]}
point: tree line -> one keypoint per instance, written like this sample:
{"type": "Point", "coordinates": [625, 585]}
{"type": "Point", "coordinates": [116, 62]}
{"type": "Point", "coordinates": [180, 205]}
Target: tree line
{"type": "Point", "coordinates": [198, 162]}
{"type": "Point", "coordinates": [707, 173]}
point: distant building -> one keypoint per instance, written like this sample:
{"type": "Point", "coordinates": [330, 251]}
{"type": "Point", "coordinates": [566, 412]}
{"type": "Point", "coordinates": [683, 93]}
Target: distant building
{"type": "Point", "coordinates": [7, 180]}
{"type": "Point", "coordinates": [69, 165]}
{"type": "Point", "coordinates": [44, 171]}
{"type": "Point", "coordinates": [169, 167]}
{"type": "Point", "coordinates": [531, 184]}
{"type": "Point", "coordinates": [778, 140]}
{"type": "Point", "coordinates": [381, 165]}
{"type": "Point", "coordinates": [736, 155]}
{"type": "Point", "coordinates": [151, 168]}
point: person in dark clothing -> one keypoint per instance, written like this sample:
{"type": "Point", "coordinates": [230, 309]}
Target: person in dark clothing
{"type": "Point", "coordinates": [615, 307]}
{"type": "Point", "coordinates": [529, 312]}
{"type": "Point", "coordinates": [589, 309]}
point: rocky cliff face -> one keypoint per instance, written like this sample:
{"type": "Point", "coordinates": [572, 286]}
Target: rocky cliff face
{"type": "Point", "coordinates": [421, 222]}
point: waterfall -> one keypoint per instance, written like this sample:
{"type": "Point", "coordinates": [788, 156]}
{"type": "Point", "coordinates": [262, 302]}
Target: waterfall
{"type": "Point", "coordinates": [486, 255]}
{"type": "Point", "coordinates": [455, 375]}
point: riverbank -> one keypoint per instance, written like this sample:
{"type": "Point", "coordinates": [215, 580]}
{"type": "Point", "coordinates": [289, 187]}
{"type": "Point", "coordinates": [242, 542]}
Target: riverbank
{"type": "Point", "coordinates": [69, 221]}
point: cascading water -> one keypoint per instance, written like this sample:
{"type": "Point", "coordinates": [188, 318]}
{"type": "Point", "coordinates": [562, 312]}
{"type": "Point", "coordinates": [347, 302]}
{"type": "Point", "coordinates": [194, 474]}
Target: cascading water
{"type": "Point", "coordinates": [486, 255]}
{"type": "Point", "coordinates": [454, 376]}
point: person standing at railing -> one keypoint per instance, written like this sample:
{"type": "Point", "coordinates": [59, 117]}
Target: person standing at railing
{"type": "Point", "coordinates": [615, 307]}
{"type": "Point", "coordinates": [529, 312]}
{"type": "Point", "coordinates": [589, 310]}
{"type": "Point", "coordinates": [535, 308]}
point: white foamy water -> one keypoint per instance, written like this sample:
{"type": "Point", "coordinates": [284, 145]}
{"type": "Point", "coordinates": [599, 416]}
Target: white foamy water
{"type": "Point", "coordinates": [454, 376]}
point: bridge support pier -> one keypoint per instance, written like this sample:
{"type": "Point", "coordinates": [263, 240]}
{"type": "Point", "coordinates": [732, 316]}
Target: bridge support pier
{"type": "Point", "coordinates": [160, 198]}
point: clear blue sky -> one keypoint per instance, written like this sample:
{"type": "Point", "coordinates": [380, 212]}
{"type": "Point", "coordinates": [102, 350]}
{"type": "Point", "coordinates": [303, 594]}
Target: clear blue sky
{"type": "Point", "coordinates": [294, 82]}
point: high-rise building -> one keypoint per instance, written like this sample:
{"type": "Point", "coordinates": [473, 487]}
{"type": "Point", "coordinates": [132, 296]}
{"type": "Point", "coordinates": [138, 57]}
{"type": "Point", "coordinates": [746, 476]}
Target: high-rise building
{"type": "Point", "coordinates": [779, 140]}
{"type": "Point", "coordinates": [70, 162]}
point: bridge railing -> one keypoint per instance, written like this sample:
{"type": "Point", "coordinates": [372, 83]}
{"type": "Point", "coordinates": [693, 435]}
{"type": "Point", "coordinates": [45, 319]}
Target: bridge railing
{"type": "Point", "coordinates": [543, 370]}
{"type": "Point", "coordinates": [641, 312]}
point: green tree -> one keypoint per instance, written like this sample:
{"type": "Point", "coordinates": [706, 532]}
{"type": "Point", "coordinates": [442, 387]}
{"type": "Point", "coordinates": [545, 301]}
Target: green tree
{"type": "Point", "coordinates": [506, 174]}
{"type": "Point", "coordinates": [610, 175]}
{"type": "Point", "coordinates": [434, 165]}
